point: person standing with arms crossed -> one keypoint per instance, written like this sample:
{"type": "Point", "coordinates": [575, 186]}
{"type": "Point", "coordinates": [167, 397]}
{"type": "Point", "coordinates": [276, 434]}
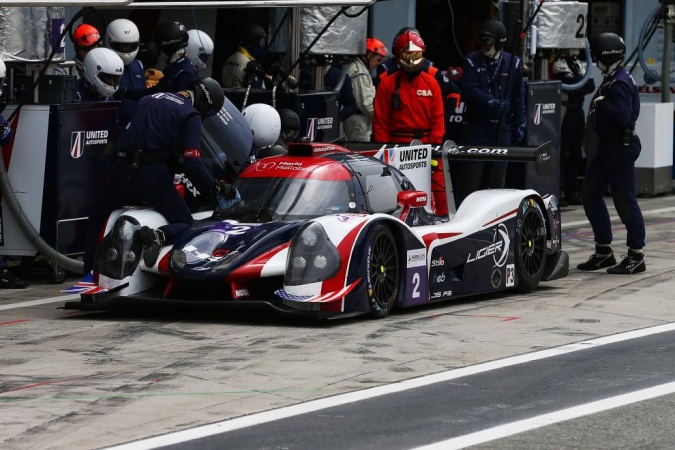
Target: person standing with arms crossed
{"type": "Point", "coordinates": [614, 110]}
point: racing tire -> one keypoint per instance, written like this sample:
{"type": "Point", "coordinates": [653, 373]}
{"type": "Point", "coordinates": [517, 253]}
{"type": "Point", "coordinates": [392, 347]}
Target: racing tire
{"type": "Point", "coordinates": [530, 245]}
{"type": "Point", "coordinates": [383, 272]}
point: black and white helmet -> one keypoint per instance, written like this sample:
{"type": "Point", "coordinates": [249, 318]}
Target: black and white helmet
{"type": "Point", "coordinates": [208, 96]}
{"type": "Point", "coordinates": [607, 48]}
{"type": "Point", "coordinates": [493, 32]}
{"type": "Point", "coordinates": [171, 37]}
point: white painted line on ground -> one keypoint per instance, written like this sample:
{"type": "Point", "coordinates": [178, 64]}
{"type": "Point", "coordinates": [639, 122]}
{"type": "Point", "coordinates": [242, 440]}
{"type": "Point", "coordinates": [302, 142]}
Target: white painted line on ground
{"type": "Point", "coordinates": [42, 301]}
{"type": "Point", "coordinates": [365, 394]}
{"type": "Point", "coordinates": [616, 218]}
{"type": "Point", "coordinates": [502, 431]}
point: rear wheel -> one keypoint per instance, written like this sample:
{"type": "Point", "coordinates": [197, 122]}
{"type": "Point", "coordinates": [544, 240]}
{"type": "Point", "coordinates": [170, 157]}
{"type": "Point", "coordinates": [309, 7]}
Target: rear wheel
{"type": "Point", "coordinates": [382, 271]}
{"type": "Point", "coordinates": [530, 257]}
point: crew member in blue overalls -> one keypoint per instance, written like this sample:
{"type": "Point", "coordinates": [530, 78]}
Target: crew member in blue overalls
{"type": "Point", "coordinates": [171, 39]}
{"type": "Point", "coordinates": [489, 102]}
{"type": "Point", "coordinates": [101, 73]}
{"type": "Point", "coordinates": [123, 38]}
{"type": "Point", "coordinates": [164, 131]}
{"type": "Point", "coordinates": [614, 110]}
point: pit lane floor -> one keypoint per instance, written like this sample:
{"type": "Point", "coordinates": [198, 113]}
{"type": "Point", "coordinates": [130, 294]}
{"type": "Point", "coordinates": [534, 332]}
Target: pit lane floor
{"type": "Point", "coordinates": [90, 380]}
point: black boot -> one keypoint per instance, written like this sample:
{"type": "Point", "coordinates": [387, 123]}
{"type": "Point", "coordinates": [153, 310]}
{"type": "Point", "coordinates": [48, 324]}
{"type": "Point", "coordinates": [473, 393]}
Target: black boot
{"type": "Point", "coordinates": [152, 244]}
{"type": "Point", "coordinates": [603, 257]}
{"type": "Point", "coordinates": [10, 281]}
{"type": "Point", "coordinates": [634, 262]}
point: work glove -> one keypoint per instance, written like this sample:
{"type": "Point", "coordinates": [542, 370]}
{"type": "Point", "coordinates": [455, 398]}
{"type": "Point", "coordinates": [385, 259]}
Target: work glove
{"type": "Point", "coordinates": [254, 68]}
{"type": "Point", "coordinates": [227, 197]}
{"type": "Point", "coordinates": [519, 134]}
{"type": "Point", "coordinates": [224, 189]}
{"type": "Point", "coordinates": [497, 105]}
{"type": "Point", "coordinates": [597, 100]}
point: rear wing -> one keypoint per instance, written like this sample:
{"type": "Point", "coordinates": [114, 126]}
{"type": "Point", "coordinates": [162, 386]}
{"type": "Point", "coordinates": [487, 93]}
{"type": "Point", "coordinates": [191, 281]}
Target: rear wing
{"type": "Point", "coordinates": [449, 151]}
{"type": "Point", "coordinates": [541, 156]}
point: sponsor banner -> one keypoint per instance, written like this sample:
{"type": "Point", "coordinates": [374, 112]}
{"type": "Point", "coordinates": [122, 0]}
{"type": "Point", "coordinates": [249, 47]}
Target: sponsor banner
{"type": "Point", "coordinates": [416, 258]}
{"type": "Point", "coordinates": [413, 161]}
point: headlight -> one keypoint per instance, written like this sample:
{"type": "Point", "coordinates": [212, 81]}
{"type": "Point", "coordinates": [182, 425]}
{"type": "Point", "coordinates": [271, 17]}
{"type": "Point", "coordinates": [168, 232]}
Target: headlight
{"type": "Point", "coordinates": [178, 260]}
{"type": "Point", "coordinates": [312, 256]}
{"type": "Point", "coordinates": [117, 254]}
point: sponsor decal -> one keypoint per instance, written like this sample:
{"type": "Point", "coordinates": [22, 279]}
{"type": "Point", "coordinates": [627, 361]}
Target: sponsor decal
{"type": "Point", "coordinates": [499, 249]}
{"type": "Point", "coordinates": [241, 293]}
{"type": "Point", "coordinates": [318, 123]}
{"type": "Point", "coordinates": [80, 139]}
{"type": "Point", "coordinates": [77, 144]}
{"type": "Point", "coordinates": [388, 155]}
{"type": "Point", "coordinates": [541, 109]}
{"type": "Point", "coordinates": [510, 275]}
{"type": "Point", "coordinates": [439, 278]}
{"type": "Point", "coordinates": [440, 262]}
{"type": "Point", "coordinates": [424, 93]}
{"type": "Point", "coordinates": [413, 158]}
{"type": "Point", "coordinates": [461, 150]}
{"type": "Point", "coordinates": [441, 294]}
{"type": "Point", "coordinates": [369, 283]}
{"type": "Point", "coordinates": [180, 178]}
{"type": "Point", "coordinates": [458, 116]}
{"type": "Point", "coordinates": [416, 258]}
{"type": "Point", "coordinates": [343, 217]}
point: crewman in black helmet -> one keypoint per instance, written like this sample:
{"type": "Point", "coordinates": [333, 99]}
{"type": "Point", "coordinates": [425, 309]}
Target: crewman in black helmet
{"type": "Point", "coordinates": [614, 111]}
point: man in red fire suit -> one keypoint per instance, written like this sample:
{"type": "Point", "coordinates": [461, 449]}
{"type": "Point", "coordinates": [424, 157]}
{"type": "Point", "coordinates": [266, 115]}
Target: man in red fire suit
{"type": "Point", "coordinates": [409, 105]}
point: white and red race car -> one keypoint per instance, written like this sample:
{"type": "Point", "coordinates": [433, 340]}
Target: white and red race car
{"type": "Point", "coordinates": [332, 232]}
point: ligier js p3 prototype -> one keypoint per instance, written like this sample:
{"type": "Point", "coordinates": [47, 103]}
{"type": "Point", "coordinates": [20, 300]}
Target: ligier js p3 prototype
{"type": "Point", "coordinates": [331, 232]}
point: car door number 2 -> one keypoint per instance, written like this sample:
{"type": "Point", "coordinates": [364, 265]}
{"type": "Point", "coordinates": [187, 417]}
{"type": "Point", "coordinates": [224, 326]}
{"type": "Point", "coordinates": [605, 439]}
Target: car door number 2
{"type": "Point", "coordinates": [416, 279]}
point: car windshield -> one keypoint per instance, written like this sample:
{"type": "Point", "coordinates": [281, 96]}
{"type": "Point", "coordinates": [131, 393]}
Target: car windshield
{"type": "Point", "coordinates": [267, 199]}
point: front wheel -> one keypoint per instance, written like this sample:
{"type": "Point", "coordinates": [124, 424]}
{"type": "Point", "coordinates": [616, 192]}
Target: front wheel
{"type": "Point", "coordinates": [530, 257]}
{"type": "Point", "coordinates": [382, 271]}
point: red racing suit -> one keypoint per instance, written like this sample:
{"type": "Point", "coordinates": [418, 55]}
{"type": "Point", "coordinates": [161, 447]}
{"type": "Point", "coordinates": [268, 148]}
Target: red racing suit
{"type": "Point", "coordinates": [420, 109]}
{"type": "Point", "coordinates": [419, 116]}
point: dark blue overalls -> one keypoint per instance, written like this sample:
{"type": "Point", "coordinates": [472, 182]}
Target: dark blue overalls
{"type": "Point", "coordinates": [485, 79]}
{"type": "Point", "coordinates": [133, 77]}
{"type": "Point", "coordinates": [614, 163]}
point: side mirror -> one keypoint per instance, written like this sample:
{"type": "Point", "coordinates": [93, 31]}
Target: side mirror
{"type": "Point", "coordinates": [412, 199]}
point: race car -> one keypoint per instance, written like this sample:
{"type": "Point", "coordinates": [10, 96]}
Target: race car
{"type": "Point", "coordinates": [332, 232]}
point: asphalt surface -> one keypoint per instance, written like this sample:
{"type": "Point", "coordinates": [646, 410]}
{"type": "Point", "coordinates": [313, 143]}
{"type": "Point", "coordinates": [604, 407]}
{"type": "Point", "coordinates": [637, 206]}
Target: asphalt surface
{"type": "Point", "coordinates": [469, 404]}
{"type": "Point", "coordinates": [91, 380]}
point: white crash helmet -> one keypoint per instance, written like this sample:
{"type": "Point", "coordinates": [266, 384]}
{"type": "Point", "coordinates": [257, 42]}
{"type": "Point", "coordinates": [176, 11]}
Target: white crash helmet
{"type": "Point", "coordinates": [103, 70]}
{"type": "Point", "coordinates": [3, 74]}
{"type": "Point", "coordinates": [199, 49]}
{"type": "Point", "coordinates": [265, 124]}
{"type": "Point", "coordinates": [123, 38]}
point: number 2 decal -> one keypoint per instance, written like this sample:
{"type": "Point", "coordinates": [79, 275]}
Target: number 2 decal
{"type": "Point", "coordinates": [416, 285]}
{"type": "Point", "coordinates": [582, 27]}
